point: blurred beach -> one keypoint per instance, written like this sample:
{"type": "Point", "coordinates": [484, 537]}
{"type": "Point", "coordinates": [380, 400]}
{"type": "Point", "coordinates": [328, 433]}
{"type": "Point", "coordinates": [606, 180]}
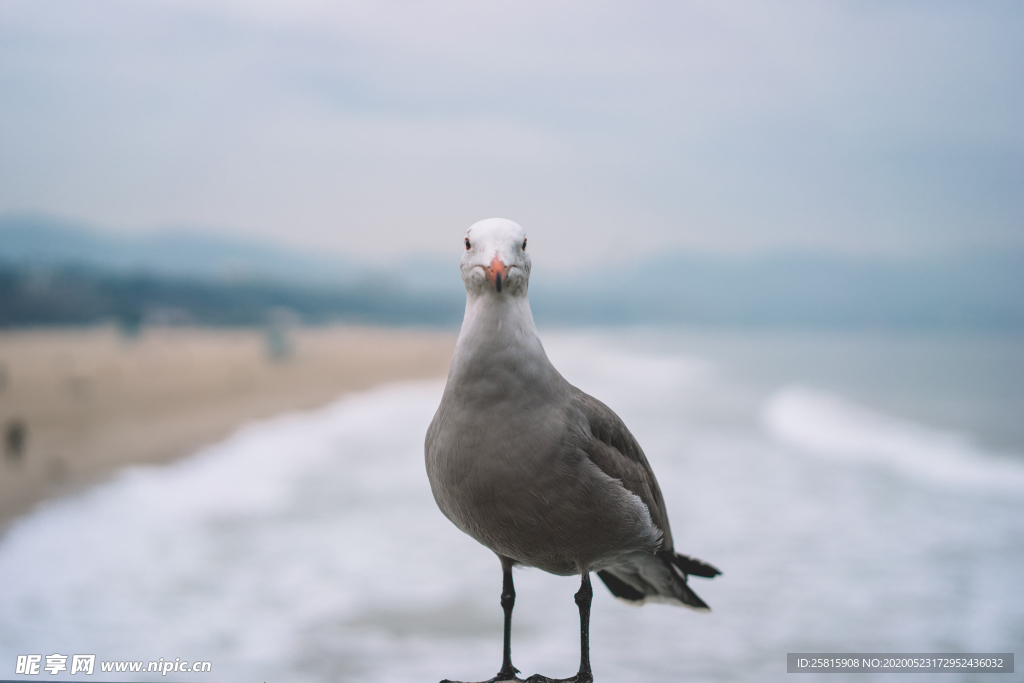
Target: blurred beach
{"type": "Point", "coordinates": [814, 468]}
{"type": "Point", "coordinates": [77, 404]}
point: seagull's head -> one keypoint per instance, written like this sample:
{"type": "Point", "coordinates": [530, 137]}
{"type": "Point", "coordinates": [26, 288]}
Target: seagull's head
{"type": "Point", "coordinates": [495, 259]}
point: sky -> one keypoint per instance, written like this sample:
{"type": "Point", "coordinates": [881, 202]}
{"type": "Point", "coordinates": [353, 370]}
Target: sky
{"type": "Point", "coordinates": [609, 130]}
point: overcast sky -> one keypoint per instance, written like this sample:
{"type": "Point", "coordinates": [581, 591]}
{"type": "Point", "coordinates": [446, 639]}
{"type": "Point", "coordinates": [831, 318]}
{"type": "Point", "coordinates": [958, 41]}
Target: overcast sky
{"type": "Point", "coordinates": [606, 129]}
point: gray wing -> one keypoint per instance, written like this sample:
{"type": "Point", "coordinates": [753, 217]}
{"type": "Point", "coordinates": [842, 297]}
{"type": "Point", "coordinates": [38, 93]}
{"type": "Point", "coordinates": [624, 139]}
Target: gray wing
{"type": "Point", "coordinates": [614, 450]}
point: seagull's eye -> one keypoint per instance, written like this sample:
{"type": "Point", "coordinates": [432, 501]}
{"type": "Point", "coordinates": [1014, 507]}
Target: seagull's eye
{"type": "Point", "coordinates": [524, 245]}
{"type": "Point", "coordinates": [467, 244]}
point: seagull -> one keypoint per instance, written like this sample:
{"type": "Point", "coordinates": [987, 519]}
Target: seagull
{"type": "Point", "coordinates": [538, 471]}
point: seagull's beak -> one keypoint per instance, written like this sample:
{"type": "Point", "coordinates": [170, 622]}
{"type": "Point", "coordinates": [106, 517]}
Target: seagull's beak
{"type": "Point", "coordinates": [496, 272]}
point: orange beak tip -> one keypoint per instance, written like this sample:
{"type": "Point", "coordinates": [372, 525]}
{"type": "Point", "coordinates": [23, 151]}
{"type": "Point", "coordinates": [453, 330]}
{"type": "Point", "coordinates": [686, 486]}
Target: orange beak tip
{"type": "Point", "coordinates": [497, 273]}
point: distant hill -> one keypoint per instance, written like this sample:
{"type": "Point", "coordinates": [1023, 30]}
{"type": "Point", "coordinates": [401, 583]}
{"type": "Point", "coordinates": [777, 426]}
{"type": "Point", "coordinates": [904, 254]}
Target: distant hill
{"type": "Point", "coordinates": [43, 241]}
{"type": "Point", "coordinates": [73, 295]}
{"type": "Point", "coordinates": [54, 272]}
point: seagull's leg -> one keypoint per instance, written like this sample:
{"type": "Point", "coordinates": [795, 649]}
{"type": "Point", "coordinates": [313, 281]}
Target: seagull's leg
{"type": "Point", "coordinates": [583, 599]}
{"type": "Point", "coordinates": [508, 601]}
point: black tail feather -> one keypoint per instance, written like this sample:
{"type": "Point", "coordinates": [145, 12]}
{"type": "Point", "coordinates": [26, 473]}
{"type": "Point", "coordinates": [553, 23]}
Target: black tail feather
{"type": "Point", "coordinates": [682, 591]}
{"type": "Point", "coordinates": [692, 599]}
{"type": "Point", "coordinates": [620, 588]}
{"type": "Point", "coordinates": [692, 566]}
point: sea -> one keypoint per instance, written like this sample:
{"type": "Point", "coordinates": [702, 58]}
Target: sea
{"type": "Point", "coordinates": [862, 492]}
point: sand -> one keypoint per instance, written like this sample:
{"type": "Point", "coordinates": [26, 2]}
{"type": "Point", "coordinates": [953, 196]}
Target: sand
{"type": "Point", "coordinates": [76, 405]}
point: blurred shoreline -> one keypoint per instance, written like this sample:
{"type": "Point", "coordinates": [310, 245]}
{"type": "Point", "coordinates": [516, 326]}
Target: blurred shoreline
{"type": "Point", "coordinates": [77, 404]}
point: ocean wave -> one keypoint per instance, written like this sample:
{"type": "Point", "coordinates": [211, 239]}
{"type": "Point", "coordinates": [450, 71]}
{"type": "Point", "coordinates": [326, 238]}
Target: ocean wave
{"type": "Point", "coordinates": [832, 426]}
{"type": "Point", "coordinates": [606, 368]}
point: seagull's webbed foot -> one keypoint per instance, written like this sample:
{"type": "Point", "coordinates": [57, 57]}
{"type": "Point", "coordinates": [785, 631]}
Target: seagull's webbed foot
{"type": "Point", "coordinates": [581, 677]}
{"type": "Point", "coordinates": [502, 677]}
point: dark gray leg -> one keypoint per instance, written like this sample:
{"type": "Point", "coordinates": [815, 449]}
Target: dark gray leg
{"type": "Point", "coordinates": [508, 601]}
{"type": "Point", "coordinates": [583, 599]}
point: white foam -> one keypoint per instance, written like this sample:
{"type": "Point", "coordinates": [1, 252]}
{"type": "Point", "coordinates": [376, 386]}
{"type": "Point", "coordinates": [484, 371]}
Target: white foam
{"type": "Point", "coordinates": [599, 367]}
{"type": "Point", "coordinates": [832, 426]}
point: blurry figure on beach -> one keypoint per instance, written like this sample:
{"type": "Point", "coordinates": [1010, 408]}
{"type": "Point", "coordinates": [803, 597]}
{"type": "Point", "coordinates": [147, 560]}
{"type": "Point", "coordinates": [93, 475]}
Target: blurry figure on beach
{"type": "Point", "coordinates": [278, 343]}
{"type": "Point", "coordinates": [15, 438]}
